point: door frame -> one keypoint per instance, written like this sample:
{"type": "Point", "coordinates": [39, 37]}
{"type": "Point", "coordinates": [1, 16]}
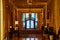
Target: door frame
{"type": "Point", "coordinates": [37, 10]}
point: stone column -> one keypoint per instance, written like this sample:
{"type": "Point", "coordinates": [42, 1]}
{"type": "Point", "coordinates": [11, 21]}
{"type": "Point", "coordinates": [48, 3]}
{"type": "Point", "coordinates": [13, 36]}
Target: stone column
{"type": "Point", "coordinates": [45, 14]}
{"type": "Point", "coordinates": [56, 15]}
{"type": "Point", "coordinates": [38, 14]}
{"type": "Point", "coordinates": [14, 17]}
{"type": "Point", "coordinates": [1, 20]}
{"type": "Point", "coordinates": [51, 37]}
{"type": "Point", "coordinates": [20, 20]}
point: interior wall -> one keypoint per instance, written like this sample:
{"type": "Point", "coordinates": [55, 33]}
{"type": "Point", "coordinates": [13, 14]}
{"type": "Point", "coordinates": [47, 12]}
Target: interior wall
{"type": "Point", "coordinates": [5, 19]}
{"type": "Point", "coordinates": [8, 8]}
{"type": "Point", "coordinates": [55, 19]}
{"type": "Point", "coordinates": [50, 12]}
{"type": "Point", "coordinates": [19, 15]}
{"type": "Point", "coordinates": [39, 15]}
{"type": "Point", "coordinates": [6, 14]}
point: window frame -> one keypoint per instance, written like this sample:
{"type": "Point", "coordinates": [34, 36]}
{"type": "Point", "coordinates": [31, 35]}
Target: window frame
{"type": "Point", "coordinates": [34, 20]}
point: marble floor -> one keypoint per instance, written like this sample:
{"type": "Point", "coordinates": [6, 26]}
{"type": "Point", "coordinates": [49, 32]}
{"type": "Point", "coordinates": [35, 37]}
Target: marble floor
{"type": "Point", "coordinates": [31, 37]}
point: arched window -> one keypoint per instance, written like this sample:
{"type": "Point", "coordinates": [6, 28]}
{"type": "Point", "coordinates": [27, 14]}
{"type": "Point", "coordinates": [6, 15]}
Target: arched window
{"type": "Point", "coordinates": [30, 21]}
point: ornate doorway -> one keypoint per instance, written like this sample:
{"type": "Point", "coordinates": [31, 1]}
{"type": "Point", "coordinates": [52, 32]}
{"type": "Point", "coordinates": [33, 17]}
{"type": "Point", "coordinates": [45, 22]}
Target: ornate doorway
{"type": "Point", "coordinates": [30, 20]}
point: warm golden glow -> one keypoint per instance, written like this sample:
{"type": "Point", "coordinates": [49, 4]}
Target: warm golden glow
{"type": "Point", "coordinates": [42, 16]}
{"type": "Point", "coordinates": [1, 20]}
{"type": "Point", "coordinates": [16, 22]}
{"type": "Point", "coordinates": [29, 2]}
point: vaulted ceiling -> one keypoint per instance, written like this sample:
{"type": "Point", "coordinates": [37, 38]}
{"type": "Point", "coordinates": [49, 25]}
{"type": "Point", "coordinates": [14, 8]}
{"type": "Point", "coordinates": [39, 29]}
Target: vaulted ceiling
{"type": "Point", "coordinates": [23, 3]}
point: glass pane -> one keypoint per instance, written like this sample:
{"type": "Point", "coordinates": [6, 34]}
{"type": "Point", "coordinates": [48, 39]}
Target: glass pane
{"type": "Point", "coordinates": [36, 19]}
{"type": "Point", "coordinates": [32, 24]}
{"type": "Point", "coordinates": [32, 15]}
{"type": "Point", "coordinates": [23, 24]}
{"type": "Point", "coordinates": [32, 38]}
{"type": "Point", "coordinates": [27, 15]}
{"type": "Point", "coordinates": [35, 23]}
{"type": "Point", "coordinates": [28, 25]}
{"type": "Point", "coordinates": [36, 38]}
{"type": "Point", "coordinates": [23, 16]}
{"type": "Point", "coordinates": [23, 19]}
{"type": "Point", "coordinates": [27, 38]}
{"type": "Point", "coordinates": [23, 38]}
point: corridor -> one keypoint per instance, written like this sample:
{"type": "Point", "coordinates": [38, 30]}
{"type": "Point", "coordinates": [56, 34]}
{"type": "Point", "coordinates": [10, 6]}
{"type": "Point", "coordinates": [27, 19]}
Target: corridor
{"type": "Point", "coordinates": [30, 20]}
